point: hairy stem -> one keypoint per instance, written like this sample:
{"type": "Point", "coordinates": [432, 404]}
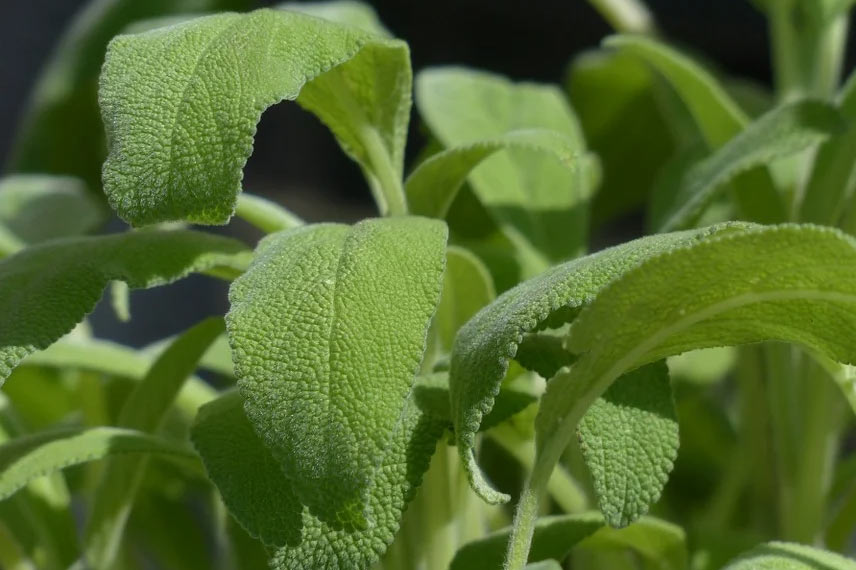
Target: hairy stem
{"type": "Point", "coordinates": [527, 513]}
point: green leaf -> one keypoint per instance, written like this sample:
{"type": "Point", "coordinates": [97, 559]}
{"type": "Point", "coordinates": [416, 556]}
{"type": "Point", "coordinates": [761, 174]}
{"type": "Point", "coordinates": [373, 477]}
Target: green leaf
{"type": "Point", "coordinates": [616, 98]}
{"type": "Point", "coordinates": [143, 410]}
{"type": "Point", "coordinates": [224, 71]}
{"type": "Point", "coordinates": [433, 186]}
{"type": "Point", "coordinates": [659, 543]}
{"type": "Point", "coordinates": [781, 132]}
{"type": "Point", "coordinates": [544, 565]}
{"type": "Point", "coordinates": [47, 289]}
{"type": "Point", "coordinates": [26, 458]}
{"type": "Point", "coordinates": [536, 199]}
{"type": "Point", "coordinates": [62, 131]}
{"type": "Point", "coordinates": [788, 556]}
{"type": "Point", "coordinates": [262, 499]}
{"type": "Point", "coordinates": [327, 318]}
{"type": "Point", "coordinates": [629, 439]}
{"type": "Point", "coordinates": [833, 172]}
{"type": "Point", "coordinates": [28, 201]}
{"type": "Point", "coordinates": [487, 343]}
{"type": "Point", "coordinates": [542, 353]}
{"type": "Point", "coordinates": [718, 117]}
{"type": "Point", "coordinates": [788, 283]}
{"type": "Point", "coordinates": [554, 538]}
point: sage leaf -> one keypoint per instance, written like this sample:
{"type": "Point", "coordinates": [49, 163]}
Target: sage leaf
{"type": "Point", "coordinates": [629, 440]}
{"type": "Point", "coordinates": [536, 199]}
{"type": "Point", "coordinates": [789, 556]}
{"type": "Point", "coordinates": [781, 132]}
{"type": "Point", "coordinates": [328, 328]}
{"type": "Point", "coordinates": [27, 457]}
{"type": "Point", "coordinates": [224, 71]}
{"type": "Point", "coordinates": [47, 289]}
{"type": "Point", "coordinates": [487, 343]}
{"type": "Point", "coordinates": [554, 538]}
{"type": "Point", "coordinates": [262, 499]}
{"type": "Point", "coordinates": [658, 543]}
{"type": "Point", "coordinates": [357, 14]}
{"type": "Point", "coordinates": [788, 283]}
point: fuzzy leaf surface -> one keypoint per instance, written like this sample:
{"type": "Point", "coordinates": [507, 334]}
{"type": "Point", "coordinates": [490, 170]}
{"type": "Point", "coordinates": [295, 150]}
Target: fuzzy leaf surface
{"type": "Point", "coordinates": [537, 200]}
{"type": "Point", "coordinates": [629, 440]}
{"type": "Point", "coordinates": [26, 458]}
{"type": "Point", "coordinates": [47, 289]}
{"type": "Point", "coordinates": [181, 105]}
{"type": "Point", "coordinates": [328, 328]}
{"type": "Point", "coordinates": [788, 283]}
{"type": "Point", "coordinates": [789, 556]}
{"type": "Point", "coordinates": [262, 499]}
{"type": "Point", "coordinates": [487, 343]}
{"type": "Point", "coordinates": [779, 133]}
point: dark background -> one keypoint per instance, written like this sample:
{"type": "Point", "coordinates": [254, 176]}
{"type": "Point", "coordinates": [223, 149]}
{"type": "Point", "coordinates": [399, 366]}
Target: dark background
{"type": "Point", "coordinates": [297, 162]}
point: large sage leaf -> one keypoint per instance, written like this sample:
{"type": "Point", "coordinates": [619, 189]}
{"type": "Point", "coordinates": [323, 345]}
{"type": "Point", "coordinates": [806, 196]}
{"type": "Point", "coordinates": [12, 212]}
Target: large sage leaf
{"type": "Point", "coordinates": [538, 201]}
{"type": "Point", "coordinates": [788, 283]}
{"type": "Point", "coordinates": [487, 343]}
{"type": "Point", "coordinates": [181, 133]}
{"type": "Point", "coordinates": [47, 289]}
{"type": "Point", "coordinates": [262, 498]}
{"type": "Point", "coordinates": [788, 556]}
{"type": "Point", "coordinates": [328, 329]}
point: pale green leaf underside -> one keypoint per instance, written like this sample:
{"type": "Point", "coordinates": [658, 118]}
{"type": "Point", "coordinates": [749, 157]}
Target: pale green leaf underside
{"type": "Point", "coordinates": [554, 538]}
{"type": "Point", "coordinates": [537, 200]}
{"type": "Point", "coordinates": [26, 458]}
{"type": "Point", "coordinates": [788, 283]}
{"type": "Point", "coordinates": [788, 556]}
{"type": "Point", "coordinates": [490, 340]}
{"type": "Point", "coordinates": [433, 186]}
{"type": "Point", "coordinates": [143, 410]}
{"type": "Point", "coordinates": [777, 134]}
{"type": "Point", "coordinates": [28, 201]}
{"type": "Point", "coordinates": [262, 499]}
{"type": "Point", "coordinates": [328, 319]}
{"type": "Point", "coordinates": [629, 440]}
{"type": "Point", "coordinates": [181, 105]}
{"type": "Point", "coordinates": [47, 289]}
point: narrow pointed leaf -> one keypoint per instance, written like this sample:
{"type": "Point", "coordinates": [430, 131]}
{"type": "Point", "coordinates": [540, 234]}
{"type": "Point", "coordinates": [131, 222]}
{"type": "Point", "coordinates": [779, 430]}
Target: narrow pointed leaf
{"type": "Point", "coordinates": [143, 410]}
{"type": "Point", "coordinates": [629, 440]}
{"type": "Point", "coordinates": [536, 199]}
{"type": "Point", "coordinates": [554, 538]}
{"type": "Point", "coordinates": [487, 343]}
{"type": "Point", "coordinates": [788, 556]}
{"type": "Point", "coordinates": [787, 283]}
{"type": "Point", "coordinates": [782, 132]}
{"type": "Point", "coordinates": [26, 458]}
{"type": "Point", "coordinates": [47, 289]}
{"type": "Point", "coordinates": [223, 72]}
{"type": "Point", "coordinates": [328, 329]}
{"type": "Point", "coordinates": [262, 499]}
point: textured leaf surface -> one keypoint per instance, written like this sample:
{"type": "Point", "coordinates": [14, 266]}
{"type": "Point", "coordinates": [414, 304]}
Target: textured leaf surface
{"type": "Point", "coordinates": [788, 283]}
{"type": "Point", "coordinates": [28, 201]}
{"type": "Point", "coordinates": [26, 458]}
{"type": "Point", "coordinates": [543, 354]}
{"type": "Point", "coordinates": [629, 439]}
{"type": "Point", "coordinates": [788, 556]}
{"type": "Point", "coordinates": [781, 132]}
{"type": "Point", "coordinates": [328, 329]}
{"type": "Point", "coordinates": [537, 200]}
{"type": "Point", "coordinates": [62, 130]}
{"type": "Point", "coordinates": [47, 289]}
{"type": "Point", "coordinates": [260, 496]}
{"type": "Point", "coordinates": [143, 410]}
{"type": "Point", "coordinates": [181, 106]}
{"type": "Point", "coordinates": [554, 538]}
{"type": "Point", "coordinates": [490, 340]}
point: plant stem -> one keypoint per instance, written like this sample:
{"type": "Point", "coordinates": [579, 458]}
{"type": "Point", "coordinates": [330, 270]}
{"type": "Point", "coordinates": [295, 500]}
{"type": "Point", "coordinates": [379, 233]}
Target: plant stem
{"type": "Point", "coordinates": [264, 214]}
{"type": "Point", "coordinates": [527, 514]}
{"type": "Point", "coordinates": [626, 16]}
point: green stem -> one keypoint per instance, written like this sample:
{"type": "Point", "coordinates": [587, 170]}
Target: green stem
{"type": "Point", "coordinates": [527, 512]}
{"type": "Point", "coordinates": [626, 16]}
{"type": "Point", "coordinates": [264, 214]}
